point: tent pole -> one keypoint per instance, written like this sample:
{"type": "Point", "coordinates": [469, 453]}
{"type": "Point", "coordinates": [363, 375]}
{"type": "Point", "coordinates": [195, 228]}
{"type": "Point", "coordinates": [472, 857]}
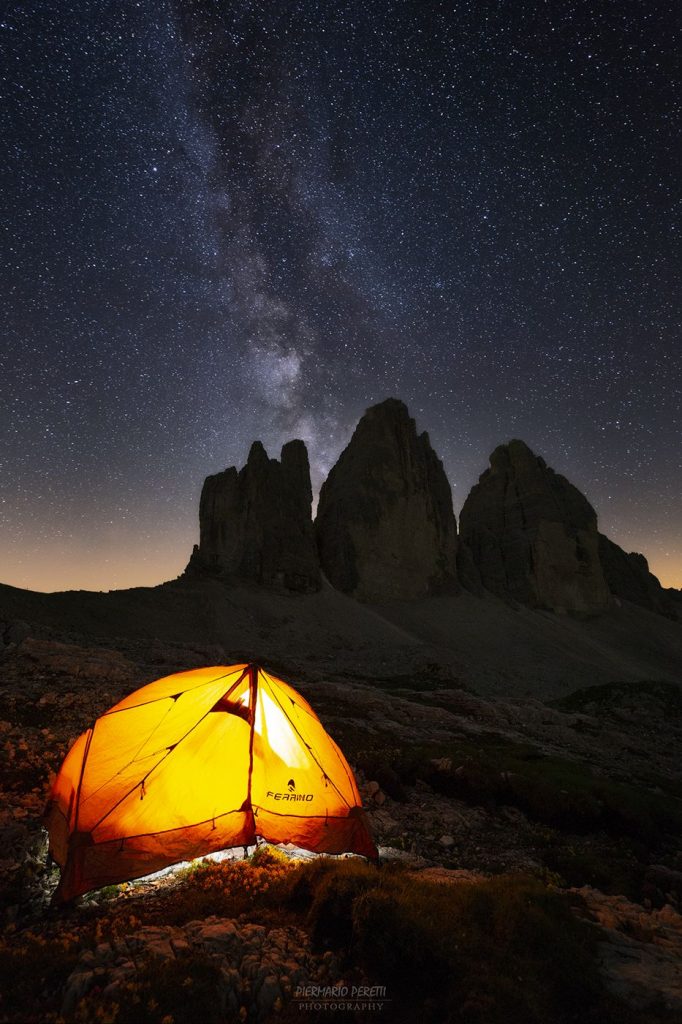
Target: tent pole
{"type": "Point", "coordinates": [253, 688]}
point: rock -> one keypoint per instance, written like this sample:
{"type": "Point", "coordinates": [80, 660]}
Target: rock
{"type": "Point", "coordinates": [160, 949]}
{"type": "Point", "coordinates": [640, 952]}
{"type": "Point", "coordinates": [294, 972]}
{"type": "Point", "coordinates": [78, 985]}
{"type": "Point", "coordinates": [256, 524]}
{"type": "Point", "coordinates": [257, 966]}
{"type": "Point", "coordinates": [122, 971]}
{"type": "Point", "coordinates": [268, 994]}
{"type": "Point", "coordinates": [668, 915]}
{"type": "Point", "coordinates": [253, 934]}
{"type": "Point", "coordinates": [628, 577]}
{"type": "Point", "coordinates": [385, 526]}
{"type": "Point", "coordinates": [219, 935]}
{"type": "Point", "coordinates": [533, 535]}
{"type": "Point", "coordinates": [230, 977]}
{"type": "Point", "coordinates": [104, 953]}
{"type": "Point", "coordinates": [250, 966]}
{"type": "Point", "coordinates": [180, 945]}
{"type": "Point", "coordinates": [149, 933]}
{"type": "Point", "coordinates": [390, 783]}
{"type": "Point", "coordinates": [383, 821]}
{"type": "Point", "coordinates": [446, 841]}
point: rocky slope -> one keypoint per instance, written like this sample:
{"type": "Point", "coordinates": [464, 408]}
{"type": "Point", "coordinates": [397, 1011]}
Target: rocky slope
{"type": "Point", "coordinates": [256, 524]}
{"type": "Point", "coordinates": [492, 646]}
{"type": "Point", "coordinates": [533, 535]}
{"type": "Point", "coordinates": [385, 526]}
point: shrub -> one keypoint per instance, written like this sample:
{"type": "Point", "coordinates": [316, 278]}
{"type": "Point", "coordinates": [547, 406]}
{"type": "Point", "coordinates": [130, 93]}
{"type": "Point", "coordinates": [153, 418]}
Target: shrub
{"type": "Point", "coordinates": [228, 888]}
{"type": "Point", "coordinates": [396, 944]}
{"type": "Point", "coordinates": [505, 950]}
{"type": "Point", "coordinates": [266, 856]}
{"type": "Point", "coordinates": [609, 866]}
{"type": "Point", "coordinates": [334, 892]}
{"type": "Point", "coordinates": [302, 882]}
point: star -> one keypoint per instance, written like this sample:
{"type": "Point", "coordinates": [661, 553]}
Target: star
{"type": "Point", "coordinates": [229, 223]}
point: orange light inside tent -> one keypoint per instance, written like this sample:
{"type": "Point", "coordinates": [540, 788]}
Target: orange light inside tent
{"type": "Point", "coordinates": [194, 763]}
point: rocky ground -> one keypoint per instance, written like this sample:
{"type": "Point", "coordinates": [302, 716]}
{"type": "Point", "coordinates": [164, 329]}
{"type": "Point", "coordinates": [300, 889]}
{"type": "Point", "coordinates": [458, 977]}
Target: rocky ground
{"type": "Point", "coordinates": [581, 793]}
{"type": "Point", "coordinates": [257, 967]}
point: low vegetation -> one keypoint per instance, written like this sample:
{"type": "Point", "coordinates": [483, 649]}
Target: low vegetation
{"type": "Point", "coordinates": [504, 950]}
{"type": "Point", "coordinates": [561, 793]}
{"type": "Point", "coordinates": [667, 696]}
{"type": "Point", "coordinates": [587, 828]}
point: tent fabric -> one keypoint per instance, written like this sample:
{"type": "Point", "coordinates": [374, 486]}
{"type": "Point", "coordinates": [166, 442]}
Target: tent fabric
{"type": "Point", "coordinates": [197, 762]}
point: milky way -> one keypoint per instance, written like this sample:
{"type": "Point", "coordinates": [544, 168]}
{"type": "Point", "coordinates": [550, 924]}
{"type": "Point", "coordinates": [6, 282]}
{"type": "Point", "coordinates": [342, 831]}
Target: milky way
{"type": "Point", "coordinates": [229, 221]}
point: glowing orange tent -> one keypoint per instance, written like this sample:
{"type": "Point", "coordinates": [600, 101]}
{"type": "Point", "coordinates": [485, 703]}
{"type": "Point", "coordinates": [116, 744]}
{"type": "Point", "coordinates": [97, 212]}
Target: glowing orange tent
{"type": "Point", "coordinates": [198, 762]}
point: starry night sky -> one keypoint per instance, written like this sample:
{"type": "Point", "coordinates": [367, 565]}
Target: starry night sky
{"type": "Point", "coordinates": [226, 221]}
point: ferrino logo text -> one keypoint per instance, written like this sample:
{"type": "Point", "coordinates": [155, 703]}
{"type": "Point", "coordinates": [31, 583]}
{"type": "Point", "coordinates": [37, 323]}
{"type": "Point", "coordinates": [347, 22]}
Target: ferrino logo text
{"type": "Point", "coordinates": [291, 794]}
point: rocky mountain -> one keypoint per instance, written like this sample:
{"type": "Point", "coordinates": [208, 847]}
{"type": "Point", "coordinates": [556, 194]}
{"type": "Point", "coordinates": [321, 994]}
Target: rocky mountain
{"type": "Point", "coordinates": [255, 524]}
{"type": "Point", "coordinates": [533, 536]}
{"type": "Point", "coordinates": [385, 525]}
{"type": "Point", "coordinates": [628, 577]}
{"type": "Point", "coordinates": [386, 530]}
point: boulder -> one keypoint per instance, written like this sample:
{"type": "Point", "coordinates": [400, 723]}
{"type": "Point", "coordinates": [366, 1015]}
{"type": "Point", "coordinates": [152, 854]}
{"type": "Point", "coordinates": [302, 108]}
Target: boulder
{"type": "Point", "coordinates": [533, 536]}
{"type": "Point", "coordinates": [385, 525]}
{"type": "Point", "coordinates": [256, 524]}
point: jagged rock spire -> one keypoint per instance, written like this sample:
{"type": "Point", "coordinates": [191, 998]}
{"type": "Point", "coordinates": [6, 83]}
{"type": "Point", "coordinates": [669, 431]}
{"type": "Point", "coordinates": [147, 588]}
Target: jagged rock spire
{"type": "Point", "coordinates": [385, 526]}
{"type": "Point", "coordinates": [256, 524]}
{"type": "Point", "coordinates": [533, 535]}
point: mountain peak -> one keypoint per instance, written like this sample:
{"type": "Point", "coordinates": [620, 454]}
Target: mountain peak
{"type": "Point", "coordinates": [385, 525]}
{"type": "Point", "coordinates": [256, 524]}
{"type": "Point", "coordinates": [533, 535]}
